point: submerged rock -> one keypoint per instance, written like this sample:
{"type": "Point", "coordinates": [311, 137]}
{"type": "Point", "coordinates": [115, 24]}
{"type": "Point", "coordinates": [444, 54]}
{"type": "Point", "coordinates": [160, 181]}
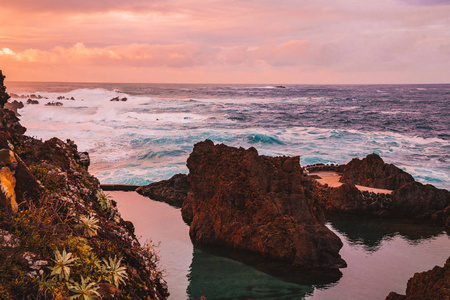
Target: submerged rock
{"type": "Point", "coordinates": [432, 284]}
{"type": "Point", "coordinates": [372, 171]}
{"type": "Point", "coordinates": [256, 204]}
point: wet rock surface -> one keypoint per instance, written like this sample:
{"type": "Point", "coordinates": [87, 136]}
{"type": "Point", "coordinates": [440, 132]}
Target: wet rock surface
{"type": "Point", "coordinates": [256, 204]}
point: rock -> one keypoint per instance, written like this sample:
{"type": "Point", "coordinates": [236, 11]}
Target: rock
{"type": "Point", "coordinates": [432, 284]}
{"type": "Point", "coordinates": [422, 201]}
{"type": "Point", "coordinates": [346, 198]}
{"type": "Point", "coordinates": [109, 291]}
{"type": "Point", "coordinates": [83, 159]}
{"type": "Point", "coordinates": [116, 99]}
{"type": "Point", "coordinates": [173, 191]}
{"type": "Point", "coordinates": [373, 172]}
{"type": "Point", "coordinates": [53, 103]}
{"type": "Point", "coordinates": [256, 204]}
{"type": "Point", "coordinates": [31, 101]}
{"type": "Point", "coordinates": [8, 164]}
{"type": "Point", "coordinates": [14, 106]}
{"type": "Point", "coordinates": [3, 94]}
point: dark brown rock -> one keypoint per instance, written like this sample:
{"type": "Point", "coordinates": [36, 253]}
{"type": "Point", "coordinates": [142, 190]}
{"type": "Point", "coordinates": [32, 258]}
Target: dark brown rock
{"type": "Point", "coordinates": [373, 172]}
{"type": "Point", "coordinates": [422, 201]}
{"type": "Point", "coordinates": [3, 94]}
{"type": "Point", "coordinates": [256, 204]}
{"type": "Point", "coordinates": [432, 284]}
{"type": "Point", "coordinates": [14, 106]}
{"type": "Point", "coordinates": [31, 101]}
{"type": "Point", "coordinates": [173, 191]}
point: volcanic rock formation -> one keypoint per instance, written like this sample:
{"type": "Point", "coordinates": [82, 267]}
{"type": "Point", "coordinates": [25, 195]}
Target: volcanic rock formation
{"type": "Point", "coordinates": [256, 204]}
{"type": "Point", "coordinates": [432, 284]}
{"type": "Point", "coordinates": [372, 171]}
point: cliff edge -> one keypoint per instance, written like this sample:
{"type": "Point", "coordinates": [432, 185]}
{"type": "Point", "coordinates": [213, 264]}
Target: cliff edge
{"type": "Point", "coordinates": [60, 235]}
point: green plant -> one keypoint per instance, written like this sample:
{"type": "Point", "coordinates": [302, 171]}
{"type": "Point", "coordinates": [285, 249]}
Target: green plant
{"type": "Point", "coordinates": [89, 225]}
{"type": "Point", "coordinates": [63, 262]}
{"type": "Point", "coordinates": [104, 200]}
{"type": "Point", "coordinates": [85, 290]}
{"type": "Point", "coordinates": [113, 271]}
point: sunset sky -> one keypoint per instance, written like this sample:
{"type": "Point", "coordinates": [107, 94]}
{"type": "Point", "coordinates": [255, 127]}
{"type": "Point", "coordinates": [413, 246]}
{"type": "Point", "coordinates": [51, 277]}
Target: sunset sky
{"type": "Point", "coordinates": [227, 41]}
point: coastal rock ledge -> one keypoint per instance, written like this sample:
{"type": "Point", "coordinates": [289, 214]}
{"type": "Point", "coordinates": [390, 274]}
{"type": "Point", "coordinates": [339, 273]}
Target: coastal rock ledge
{"type": "Point", "coordinates": [256, 205]}
{"type": "Point", "coordinates": [432, 284]}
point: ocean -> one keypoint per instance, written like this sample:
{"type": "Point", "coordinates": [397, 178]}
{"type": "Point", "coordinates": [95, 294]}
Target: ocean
{"type": "Point", "coordinates": [149, 136]}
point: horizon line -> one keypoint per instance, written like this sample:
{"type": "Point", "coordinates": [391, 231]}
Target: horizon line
{"type": "Point", "coordinates": [197, 83]}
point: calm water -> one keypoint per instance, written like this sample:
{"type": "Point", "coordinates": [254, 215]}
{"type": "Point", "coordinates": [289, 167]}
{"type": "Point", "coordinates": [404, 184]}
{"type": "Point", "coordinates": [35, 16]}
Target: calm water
{"type": "Point", "coordinates": [381, 257]}
{"type": "Point", "coordinates": [149, 137]}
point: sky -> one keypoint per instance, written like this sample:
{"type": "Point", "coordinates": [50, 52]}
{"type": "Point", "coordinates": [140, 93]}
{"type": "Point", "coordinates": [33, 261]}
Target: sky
{"type": "Point", "coordinates": [226, 41]}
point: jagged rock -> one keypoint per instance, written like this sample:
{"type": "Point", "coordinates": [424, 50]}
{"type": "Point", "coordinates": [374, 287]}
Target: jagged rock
{"type": "Point", "coordinates": [31, 101]}
{"type": "Point", "coordinates": [432, 284]}
{"type": "Point", "coordinates": [14, 106]}
{"type": "Point", "coordinates": [53, 103]}
{"type": "Point", "coordinates": [8, 181]}
{"type": "Point", "coordinates": [116, 99]}
{"type": "Point", "coordinates": [3, 94]}
{"type": "Point", "coordinates": [422, 201]}
{"type": "Point", "coordinates": [373, 172]}
{"type": "Point", "coordinates": [9, 124]}
{"type": "Point", "coordinates": [256, 204]}
{"type": "Point", "coordinates": [173, 191]}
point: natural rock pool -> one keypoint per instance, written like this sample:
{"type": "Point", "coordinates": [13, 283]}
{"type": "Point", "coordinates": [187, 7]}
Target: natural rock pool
{"type": "Point", "coordinates": [381, 256]}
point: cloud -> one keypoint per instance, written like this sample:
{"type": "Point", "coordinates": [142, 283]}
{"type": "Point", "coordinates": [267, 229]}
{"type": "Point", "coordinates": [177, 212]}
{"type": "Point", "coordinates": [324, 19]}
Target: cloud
{"type": "Point", "coordinates": [223, 38]}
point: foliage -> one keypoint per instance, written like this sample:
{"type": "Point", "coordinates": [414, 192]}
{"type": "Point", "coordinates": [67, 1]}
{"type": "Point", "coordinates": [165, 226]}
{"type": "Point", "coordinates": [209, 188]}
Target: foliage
{"type": "Point", "coordinates": [89, 225]}
{"type": "Point", "coordinates": [63, 262]}
{"type": "Point", "coordinates": [112, 271]}
{"type": "Point", "coordinates": [104, 200]}
{"type": "Point", "coordinates": [85, 290]}
{"type": "Point", "coordinates": [51, 182]}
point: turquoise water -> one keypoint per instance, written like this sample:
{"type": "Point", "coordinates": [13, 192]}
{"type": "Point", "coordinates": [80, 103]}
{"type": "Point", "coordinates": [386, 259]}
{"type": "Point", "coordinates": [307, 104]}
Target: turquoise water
{"type": "Point", "coordinates": [149, 137]}
{"type": "Point", "coordinates": [381, 256]}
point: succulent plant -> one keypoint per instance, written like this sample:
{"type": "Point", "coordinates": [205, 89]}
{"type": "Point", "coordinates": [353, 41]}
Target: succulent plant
{"type": "Point", "coordinates": [89, 225]}
{"type": "Point", "coordinates": [63, 262]}
{"type": "Point", "coordinates": [113, 271]}
{"type": "Point", "coordinates": [104, 200]}
{"type": "Point", "coordinates": [85, 290]}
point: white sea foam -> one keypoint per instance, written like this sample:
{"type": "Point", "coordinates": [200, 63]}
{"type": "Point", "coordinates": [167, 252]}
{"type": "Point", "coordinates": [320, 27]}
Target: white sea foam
{"type": "Point", "coordinates": [145, 138]}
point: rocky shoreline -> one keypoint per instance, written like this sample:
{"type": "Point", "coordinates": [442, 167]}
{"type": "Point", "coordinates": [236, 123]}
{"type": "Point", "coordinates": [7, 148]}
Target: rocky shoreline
{"type": "Point", "coordinates": [60, 235]}
{"type": "Point", "coordinates": [227, 190]}
{"type": "Point", "coordinates": [265, 211]}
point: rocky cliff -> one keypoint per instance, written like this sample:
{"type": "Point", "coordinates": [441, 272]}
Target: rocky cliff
{"type": "Point", "coordinates": [60, 236]}
{"type": "Point", "coordinates": [432, 284]}
{"type": "Point", "coordinates": [256, 204]}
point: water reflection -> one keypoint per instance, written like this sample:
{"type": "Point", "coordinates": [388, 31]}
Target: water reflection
{"type": "Point", "coordinates": [381, 256]}
{"type": "Point", "coordinates": [218, 277]}
{"type": "Point", "coordinates": [370, 231]}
